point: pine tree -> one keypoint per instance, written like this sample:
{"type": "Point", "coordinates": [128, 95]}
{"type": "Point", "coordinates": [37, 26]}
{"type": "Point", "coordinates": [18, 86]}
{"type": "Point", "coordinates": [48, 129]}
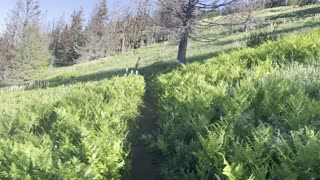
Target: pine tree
{"type": "Point", "coordinates": [95, 45]}
{"type": "Point", "coordinates": [26, 46]}
{"type": "Point", "coordinates": [56, 38]}
{"type": "Point", "coordinates": [77, 36]}
{"type": "Point", "coordinates": [65, 47]}
{"type": "Point", "coordinates": [66, 39]}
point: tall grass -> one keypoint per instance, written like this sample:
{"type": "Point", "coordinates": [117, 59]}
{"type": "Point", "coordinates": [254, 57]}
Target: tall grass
{"type": "Point", "coordinates": [243, 115]}
{"type": "Point", "coordinates": [78, 131]}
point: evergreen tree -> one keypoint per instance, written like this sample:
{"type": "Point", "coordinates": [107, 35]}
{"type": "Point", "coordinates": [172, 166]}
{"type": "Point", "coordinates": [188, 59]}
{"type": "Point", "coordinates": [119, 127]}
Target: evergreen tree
{"type": "Point", "coordinates": [77, 36]}
{"type": "Point", "coordinates": [96, 44]}
{"type": "Point", "coordinates": [56, 38]}
{"type": "Point", "coordinates": [65, 47]}
{"type": "Point", "coordinates": [66, 39]}
{"type": "Point", "coordinates": [26, 47]}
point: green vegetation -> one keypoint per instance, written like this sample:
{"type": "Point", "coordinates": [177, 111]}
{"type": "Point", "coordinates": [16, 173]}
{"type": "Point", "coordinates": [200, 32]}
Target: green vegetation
{"type": "Point", "coordinates": [257, 38]}
{"type": "Point", "coordinates": [250, 114]}
{"type": "Point", "coordinates": [77, 131]}
{"type": "Point", "coordinates": [162, 57]}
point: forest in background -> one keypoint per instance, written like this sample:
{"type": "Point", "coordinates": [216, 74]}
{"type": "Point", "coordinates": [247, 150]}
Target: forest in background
{"type": "Point", "coordinates": [27, 44]}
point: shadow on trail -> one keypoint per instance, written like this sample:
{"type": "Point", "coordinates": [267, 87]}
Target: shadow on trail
{"type": "Point", "coordinates": [145, 163]}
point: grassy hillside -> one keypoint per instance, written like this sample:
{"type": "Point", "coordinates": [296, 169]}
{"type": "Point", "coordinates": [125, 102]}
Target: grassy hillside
{"type": "Point", "coordinates": [232, 112]}
{"type": "Point", "coordinates": [249, 114]}
{"type": "Point", "coordinates": [69, 132]}
{"type": "Point", "coordinates": [162, 57]}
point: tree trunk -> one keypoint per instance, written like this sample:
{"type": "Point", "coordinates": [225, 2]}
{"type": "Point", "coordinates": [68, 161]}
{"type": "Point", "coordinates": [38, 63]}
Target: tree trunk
{"type": "Point", "coordinates": [183, 44]}
{"type": "Point", "coordinates": [123, 43]}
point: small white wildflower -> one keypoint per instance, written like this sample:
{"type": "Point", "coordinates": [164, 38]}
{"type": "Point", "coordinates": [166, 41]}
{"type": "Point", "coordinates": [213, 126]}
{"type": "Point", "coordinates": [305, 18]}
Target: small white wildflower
{"type": "Point", "coordinates": [137, 72]}
{"type": "Point", "coordinates": [278, 141]}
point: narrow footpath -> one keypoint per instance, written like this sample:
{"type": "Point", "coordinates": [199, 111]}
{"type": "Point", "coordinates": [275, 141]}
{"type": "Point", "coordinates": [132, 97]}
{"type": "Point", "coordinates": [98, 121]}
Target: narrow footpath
{"type": "Point", "coordinates": [145, 165]}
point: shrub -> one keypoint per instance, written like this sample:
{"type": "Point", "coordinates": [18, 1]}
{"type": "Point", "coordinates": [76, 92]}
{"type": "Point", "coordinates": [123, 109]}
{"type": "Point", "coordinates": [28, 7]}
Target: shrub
{"type": "Point", "coordinates": [257, 38]}
{"type": "Point", "coordinates": [242, 115]}
{"type": "Point", "coordinates": [77, 131]}
{"type": "Point", "coordinates": [270, 134]}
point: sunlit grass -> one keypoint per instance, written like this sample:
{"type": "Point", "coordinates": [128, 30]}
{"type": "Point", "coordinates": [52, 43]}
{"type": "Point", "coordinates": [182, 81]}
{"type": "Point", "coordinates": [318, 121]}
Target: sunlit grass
{"type": "Point", "coordinates": [288, 22]}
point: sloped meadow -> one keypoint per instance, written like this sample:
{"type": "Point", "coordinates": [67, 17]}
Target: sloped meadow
{"type": "Point", "coordinates": [250, 114]}
{"type": "Point", "coordinates": [70, 132]}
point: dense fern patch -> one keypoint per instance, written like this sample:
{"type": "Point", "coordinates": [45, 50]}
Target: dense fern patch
{"type": "Point", "coordinates": [250, 114]}
{"type": "Point", "coordinates": [77, 131]}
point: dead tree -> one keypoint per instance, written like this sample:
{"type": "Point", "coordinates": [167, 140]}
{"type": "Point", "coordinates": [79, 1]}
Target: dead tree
{"type": "Point", "coordinates": [193, 15]}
